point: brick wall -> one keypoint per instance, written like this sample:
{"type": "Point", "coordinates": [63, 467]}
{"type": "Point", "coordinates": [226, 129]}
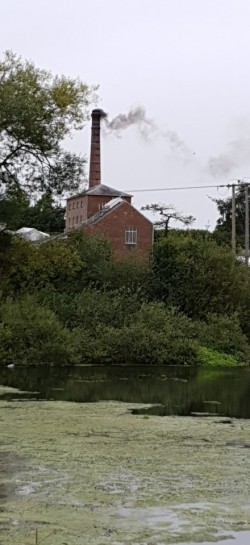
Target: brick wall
{"type": "Point", "coordinates": [113, 228]}
{"type": "Point", "coordinates": [80, 208]}
{"type": "Point", "coordinates": [76, 211]}
{"type": "Point", "coordinates": [96, 202]}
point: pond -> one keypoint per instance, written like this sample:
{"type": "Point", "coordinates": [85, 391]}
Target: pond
{"type": "Point", "coordinates": [173, 391]}
{"type": "Point", "coordinates": [124, 456]}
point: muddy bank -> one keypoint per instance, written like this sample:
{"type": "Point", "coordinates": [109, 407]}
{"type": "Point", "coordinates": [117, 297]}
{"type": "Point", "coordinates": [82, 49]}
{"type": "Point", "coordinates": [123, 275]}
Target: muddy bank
{"type": "Point", "coordinates": [94, 473]}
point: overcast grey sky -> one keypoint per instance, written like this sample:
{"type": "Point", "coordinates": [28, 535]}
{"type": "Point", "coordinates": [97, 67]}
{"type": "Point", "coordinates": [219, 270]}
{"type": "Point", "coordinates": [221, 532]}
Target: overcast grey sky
{"type": "Point", "coordinates": [185, 61]}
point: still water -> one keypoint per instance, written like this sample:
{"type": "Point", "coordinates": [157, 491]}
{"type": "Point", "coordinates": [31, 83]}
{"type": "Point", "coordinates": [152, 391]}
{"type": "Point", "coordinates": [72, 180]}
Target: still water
{"type": "Point", "coordinates": [170, 390]}
{"type": "Point", "coordinates": [125, 479]}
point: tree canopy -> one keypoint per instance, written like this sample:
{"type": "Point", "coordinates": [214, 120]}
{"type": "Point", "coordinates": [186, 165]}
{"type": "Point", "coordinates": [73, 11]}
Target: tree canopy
{"type": "Point", "coordinates": [37, 112]}
{"type": "Point", "coordinates": [188, 305]}
{"type": "Point", "coordinates": [45, 214]}
{"type": "Point", "coordinates": [224, 223]}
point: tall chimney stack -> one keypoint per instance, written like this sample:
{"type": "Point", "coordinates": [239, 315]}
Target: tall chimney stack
{"type": "Point", "coordinates": [95, 151]}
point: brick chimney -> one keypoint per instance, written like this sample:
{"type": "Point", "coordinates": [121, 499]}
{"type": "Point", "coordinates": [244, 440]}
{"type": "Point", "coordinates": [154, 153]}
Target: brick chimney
{"type": "Point", "coordinates": [95, 151]}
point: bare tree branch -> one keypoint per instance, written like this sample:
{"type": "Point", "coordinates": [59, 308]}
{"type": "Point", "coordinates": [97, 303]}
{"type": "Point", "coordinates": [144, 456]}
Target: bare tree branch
{"type": "Point", "coordinates": [167, 213]}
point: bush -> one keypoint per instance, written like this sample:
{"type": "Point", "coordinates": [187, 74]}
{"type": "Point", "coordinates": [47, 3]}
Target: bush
{"type": "Point", "coordinates": [222, 334]}
{"type": "Point", "coordinates": [107, 311]}
{"type": "Point", "coordinates": [210, 357]}
{"type": "Point", "coordinates": [92, 307]}
{"type": "Point", "coordinates": [200, 277]}
{"type": "Point", "coordinates": [30, 334]}
{"type": "Point", "coordinates": [32, 267]}
{"type": "Point", "coordinates": [149, 335]}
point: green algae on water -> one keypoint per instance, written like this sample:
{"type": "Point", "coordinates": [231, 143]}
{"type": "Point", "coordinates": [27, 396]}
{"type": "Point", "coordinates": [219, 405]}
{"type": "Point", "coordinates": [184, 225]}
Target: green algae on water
{"type": "Point", "coordinates": [94, 473]}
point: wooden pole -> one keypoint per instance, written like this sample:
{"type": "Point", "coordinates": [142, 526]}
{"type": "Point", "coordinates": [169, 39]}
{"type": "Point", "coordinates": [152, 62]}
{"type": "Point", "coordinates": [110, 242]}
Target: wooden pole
{"type": "Point", "coordinates": [36, 537]}
{"type": "Point", "coordinates": [246, 226]}
{"type": "Point", "coordinates": [233, 220]}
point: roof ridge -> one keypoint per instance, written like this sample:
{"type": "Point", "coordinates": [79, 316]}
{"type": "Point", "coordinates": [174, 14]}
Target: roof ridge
{"type": "Point", "coordinates": [101, 189]}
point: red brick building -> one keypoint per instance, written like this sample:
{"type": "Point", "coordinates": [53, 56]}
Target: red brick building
{"type": "Point", "coordinates": [107, 211]}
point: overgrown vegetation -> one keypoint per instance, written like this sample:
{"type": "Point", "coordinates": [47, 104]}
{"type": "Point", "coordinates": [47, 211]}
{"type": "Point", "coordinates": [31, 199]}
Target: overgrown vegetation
{"type": "Point", "coordinates": [67, 302]}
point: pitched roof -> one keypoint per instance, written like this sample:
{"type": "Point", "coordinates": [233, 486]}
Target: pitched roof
{"type": "Point", "coordinates": [113, 203]}
{"type": "Point", "coordinates": [107, 208]}
{"type": "Point", "coordinates": [102, 189]}
{"type": "Point", "coordinates": [106, 190]}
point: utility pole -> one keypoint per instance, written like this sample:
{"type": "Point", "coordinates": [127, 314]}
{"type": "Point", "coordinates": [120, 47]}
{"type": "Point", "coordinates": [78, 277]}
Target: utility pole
{"type": "Point", "coordinates": [246, 226]}
{"type": "Point", "coordinates": [233, 220]}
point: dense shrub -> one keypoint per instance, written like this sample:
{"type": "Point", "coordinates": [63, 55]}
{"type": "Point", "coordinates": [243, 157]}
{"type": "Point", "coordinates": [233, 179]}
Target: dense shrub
{"type": "Point", "coordinates": [150, 335]}
{"type": "Point", "coordinates": [209, 357]}
{"type": "Point", "coordinates": [200, 277]}
{"type": "Point", "coordinates": [223, 334]}
{"type": "Point", "coordinates": [86, 307]}
{"type": "Point", "coordinates": [91, 307]}
{"type": "Point", "coordinates": [32, 267]}
{"type": "Point", "coordinates": [30, 334]}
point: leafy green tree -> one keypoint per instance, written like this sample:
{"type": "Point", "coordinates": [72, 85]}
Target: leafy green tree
{"type": "Point", "coordinates": [37, 112]}
{"type": "Point", "coordinates": [223, 230]}
{"type": "Point", "coordinates": [45, 215]}
{"type": "Point", "coordinates": [14, 206]}
{"type": "Point", "coordinates": [17, 211]}
{"type": "Point", "coordinates": [198, 276]}
{"type": "Point", "coordinates": [96, 259]}
{"type": "Point", "coordinates": [29, 267]}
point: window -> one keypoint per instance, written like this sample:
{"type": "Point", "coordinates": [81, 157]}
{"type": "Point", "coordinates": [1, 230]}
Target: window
{"type": "Point", "coordinates": [73, 205]}
{"type": "Point", "coordinates": [131, 235]}
{"type": "Point", "coordinates": [76, 219]}
{"type": "Point", "coordinates": [73, 222]}
{"type": "Point", "coordinates": [100, 206]}
{"type": "Point", "coordinates": [77, 204]}
{"type": "Point", "coordinates": [81, 204]}
{"type": "Point", "coordinates": [70, 206]}
{"type": "Point", "coordinates": [81, 218]}
{"type": "Point", "coordinates": [69, 222]}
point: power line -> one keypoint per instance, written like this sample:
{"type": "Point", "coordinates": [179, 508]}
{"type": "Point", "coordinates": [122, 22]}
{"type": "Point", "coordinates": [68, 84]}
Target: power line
{"type": "Point", "coordinates": [178, 188]}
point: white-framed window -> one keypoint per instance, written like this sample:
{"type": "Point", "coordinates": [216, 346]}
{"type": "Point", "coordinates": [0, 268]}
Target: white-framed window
{"type": "Point", "coordinates": [131, 235]}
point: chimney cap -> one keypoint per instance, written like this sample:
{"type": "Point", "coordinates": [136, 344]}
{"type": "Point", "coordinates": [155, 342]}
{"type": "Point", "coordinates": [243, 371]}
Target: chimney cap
{"type": "Point", "coordinates": [98, 112]}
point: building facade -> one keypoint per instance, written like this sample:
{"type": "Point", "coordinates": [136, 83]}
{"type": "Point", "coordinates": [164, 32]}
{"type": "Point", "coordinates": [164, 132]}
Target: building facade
{"type": "Point", "coordinates": [107, 211]}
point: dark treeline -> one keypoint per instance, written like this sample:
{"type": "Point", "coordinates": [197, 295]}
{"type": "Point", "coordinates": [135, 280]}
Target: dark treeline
{"type": "Point", "coordinates": [68, 302]}
{"type": "Point", "coordinates": [17, 210]}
